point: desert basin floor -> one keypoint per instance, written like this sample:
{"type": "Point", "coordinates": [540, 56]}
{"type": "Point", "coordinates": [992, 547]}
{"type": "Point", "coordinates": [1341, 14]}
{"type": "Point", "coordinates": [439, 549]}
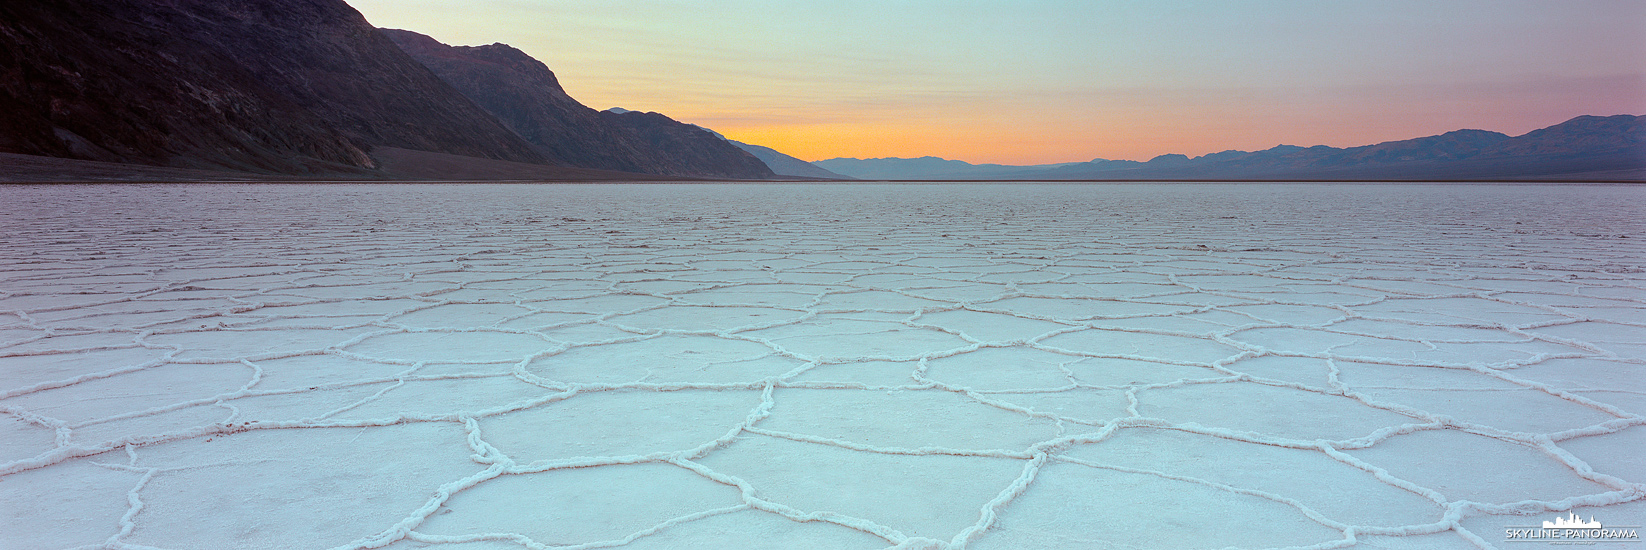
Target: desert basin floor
{"type": "Point", "coordinates": [741, 365]}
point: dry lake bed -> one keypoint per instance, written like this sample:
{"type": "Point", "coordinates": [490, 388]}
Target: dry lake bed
{"type": "Point", "coordinates": [987, 366]}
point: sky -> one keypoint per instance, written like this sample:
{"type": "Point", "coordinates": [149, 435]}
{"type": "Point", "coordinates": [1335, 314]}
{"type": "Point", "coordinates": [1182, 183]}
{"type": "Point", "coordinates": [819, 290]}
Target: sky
{"type": "Point", "coordinates": [1032, 82]}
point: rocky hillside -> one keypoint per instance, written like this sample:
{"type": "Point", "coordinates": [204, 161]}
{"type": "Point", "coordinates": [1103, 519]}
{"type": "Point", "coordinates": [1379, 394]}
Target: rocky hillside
{"type": "Point", "coordinates": [524, 94]}
{"type": "Point", "coordinates": [291, 86]}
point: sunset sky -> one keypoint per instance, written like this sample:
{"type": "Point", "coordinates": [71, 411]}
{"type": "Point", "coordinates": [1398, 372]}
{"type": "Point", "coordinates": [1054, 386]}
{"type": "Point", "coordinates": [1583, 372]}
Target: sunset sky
{"type": "Point", "coordinates": [1029, 82]}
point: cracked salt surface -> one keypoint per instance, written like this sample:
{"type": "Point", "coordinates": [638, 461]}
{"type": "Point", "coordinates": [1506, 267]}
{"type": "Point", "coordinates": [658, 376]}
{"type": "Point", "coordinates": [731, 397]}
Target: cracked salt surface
{"type": "Point", "coordinates": [818, 366]}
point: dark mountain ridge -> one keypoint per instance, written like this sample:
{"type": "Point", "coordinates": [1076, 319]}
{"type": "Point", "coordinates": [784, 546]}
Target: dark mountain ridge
{"type": "Point", "coordinates": [263, 86]}
{"type": "Point", "coordinates": [525, 95]}
{"type": "Point", "coordinates": [307, 88]}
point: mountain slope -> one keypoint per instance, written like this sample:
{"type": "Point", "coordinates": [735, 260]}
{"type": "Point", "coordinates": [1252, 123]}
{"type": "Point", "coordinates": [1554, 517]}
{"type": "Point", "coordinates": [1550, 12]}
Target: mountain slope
{"type": "Point", "coordinates": [1581, 137]}
{"type": "Point", "coordinates": [785, 165]}
{"type": "Point", "coordinates": [297, 86]}
{"type": "Point", "coordinates": [523, 93]}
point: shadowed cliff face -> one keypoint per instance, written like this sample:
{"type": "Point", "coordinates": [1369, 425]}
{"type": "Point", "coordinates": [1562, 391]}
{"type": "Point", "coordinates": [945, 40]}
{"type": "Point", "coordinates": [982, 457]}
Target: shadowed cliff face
{"type": "Point", "coordinates": [524, 94]}
{"type": "Point", "coordinates": [287, 86]}
{"type": "Point", "coordinates": [695, 151]}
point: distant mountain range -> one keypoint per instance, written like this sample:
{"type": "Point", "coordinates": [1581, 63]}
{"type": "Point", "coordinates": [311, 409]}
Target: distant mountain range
{"type": "Point", "coordinates": [926, 168]}
{"type": "Point", "coordinates": [1583, 148]}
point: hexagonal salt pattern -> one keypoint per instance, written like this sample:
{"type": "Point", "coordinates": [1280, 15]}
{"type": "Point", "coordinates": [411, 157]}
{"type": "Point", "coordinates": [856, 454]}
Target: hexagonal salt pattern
{"type": "Point", "coordinates": [818, 366]}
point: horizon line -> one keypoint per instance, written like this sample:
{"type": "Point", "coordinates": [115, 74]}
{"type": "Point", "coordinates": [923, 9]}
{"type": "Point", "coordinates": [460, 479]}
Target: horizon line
{"type": "Point", "coordinates": [1095, 159]}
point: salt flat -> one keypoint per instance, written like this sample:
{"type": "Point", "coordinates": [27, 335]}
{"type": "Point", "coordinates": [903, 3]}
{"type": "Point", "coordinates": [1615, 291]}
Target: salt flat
{"type": "Point", "coordinates": [819, 366]}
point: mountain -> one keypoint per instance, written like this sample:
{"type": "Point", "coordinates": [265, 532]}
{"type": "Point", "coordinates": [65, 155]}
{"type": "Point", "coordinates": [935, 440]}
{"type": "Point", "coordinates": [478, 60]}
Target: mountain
{"type": "Point", "coordinates": [785, 165]}
{"type": "Point", "coordinates": [308, 88]}
{"type": "Point", "coordinates": [782, 164]}
{"type": "Point", "coordinates": [923, 168]}
{"type": "Point", "coordinates": [1586, 147]}
{"type": "Point", "coordinates": [1583, 148]}
{"type": "Point", "coordinates": [291, 87]}
{"type": "Point", "coordinates": [1591, 137]}
{"type": "Point", "coordinates": [393, 163]}
{"type": "Point", "coordinates": [525, 95]}
{"type": "Point", "coordinates": [703, 154]}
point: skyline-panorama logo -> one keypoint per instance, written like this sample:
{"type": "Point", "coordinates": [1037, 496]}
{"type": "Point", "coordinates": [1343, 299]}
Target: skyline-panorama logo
{"type": "Point", "coordinates": [1571, 521]}
{"type": "Point", "coordinates": [1571, 530]}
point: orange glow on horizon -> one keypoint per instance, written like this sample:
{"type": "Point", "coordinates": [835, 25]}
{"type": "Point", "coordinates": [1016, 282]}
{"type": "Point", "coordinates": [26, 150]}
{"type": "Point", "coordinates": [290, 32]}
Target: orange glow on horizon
{"type": "Point", "coordinates": [1037, 82]}
{"type": "Point", "coordinates": [812, 142]}
{"type": "Point", "coordinates": [1012, 137]}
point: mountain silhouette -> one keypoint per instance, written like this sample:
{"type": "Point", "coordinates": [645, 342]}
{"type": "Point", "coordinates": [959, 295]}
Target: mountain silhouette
{"type": "Point", "coordinates": [309, 89]}
{"type": "Point", "coordinates": [1583, 148]}
{"type": "Point", "coordinates": [305, 86]}
{"type": "Point", "coordinates": [785, 165]}
{"type": "Point", "coordinates": [523, 93]}
{"type": "Point", "coordinates": [931, 168]}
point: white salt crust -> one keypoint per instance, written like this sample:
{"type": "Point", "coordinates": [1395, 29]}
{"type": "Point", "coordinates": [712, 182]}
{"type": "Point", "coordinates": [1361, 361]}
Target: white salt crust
{"type": "Point", "coordinates": [817, 366]}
